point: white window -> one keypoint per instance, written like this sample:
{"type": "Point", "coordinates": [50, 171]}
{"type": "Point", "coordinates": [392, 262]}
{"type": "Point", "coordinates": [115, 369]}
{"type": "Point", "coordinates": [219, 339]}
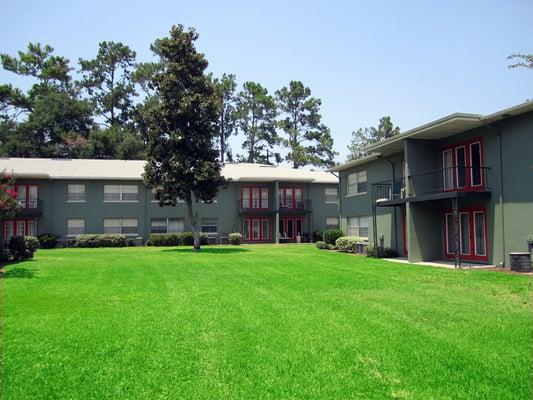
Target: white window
{"type": "Point", "coordinates": [356, 183]}
{"type": "Point", "coordinates": [76, 193]}
{"type": "Point", "coordinates": [167, 225]}
{"type": "Point", "coordinates": [332, 222]}
{"type": "Point", "coordinates": [125, 193]}
{"type": "Point", "coordinates": [209, 226]}
{"type": "Point", "coordinates": [125, 226]}
{"type": "Point", "coordinates": [75, 227]}
{"type": "Point", "coordinates": [332, 195]}
{"type": "Point", "coordinates": [32, 227]}
{"type": "Point", "coordinates": [154, 200]}
{"type": "Point", "coordinates": [358, 226]}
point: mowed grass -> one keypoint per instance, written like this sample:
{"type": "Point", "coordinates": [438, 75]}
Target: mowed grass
{"type": "Point", "coordinates": [258, 322]}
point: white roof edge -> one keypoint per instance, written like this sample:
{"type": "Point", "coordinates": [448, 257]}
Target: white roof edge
{"type": "Point", "coordinates": [354, 163]}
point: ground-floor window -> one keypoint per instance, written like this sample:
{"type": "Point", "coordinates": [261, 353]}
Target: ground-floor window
{"type": "Point", "coordinates": [167, 225]}
{"type": "Point", "coordinates": [75, 226]}
{"type": "Point", "coordinates": [20, 227]}
{"type": "Point", "coordinates": [254, 228]}
{"type": "Point", "coordinates": [291, 227]}
{"type": "Point", "coordinates": [358, 226]}
{"type": "Point", "coordinates": [332, 222]}
{"type": "Point", "coordinates": [124, 226]}
{"type": "Point", "coordinates": [209, 226]}
{"type": "Point", "coordinates": [472, 234]}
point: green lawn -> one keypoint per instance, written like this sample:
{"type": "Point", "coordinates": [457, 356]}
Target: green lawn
{"type": "Point", "coordinates": [252, 322]}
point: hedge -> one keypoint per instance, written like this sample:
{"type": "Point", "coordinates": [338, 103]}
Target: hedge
{"type": "Point", "coordinates": [380, 252]}
{"type": "Point", "coordinates": [101, 240]}
{"type": "Point", "coordinates": [47, 241]}
{"type": "Point", "coordinates": [349, 244]}
{"type": "Point", "coordinates": [23, 247]}
{"type": "Point", "coordinates": [331, 235]}
{"type": "Point", "coordinates": [235, 238]}
{"type": "Point", "coordinates": [165, 239]}
{"type": "Point", "coordinates": [188, 238]}
{"type": "Point", "coordinates": [323, 245]}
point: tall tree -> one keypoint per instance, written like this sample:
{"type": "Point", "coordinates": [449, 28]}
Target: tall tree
{"type": "Point", "coordinates": [225, 93]}
{"type": "Point", "coordinates": [256, 118]}
{"type": "Point", "coordinates": [364, 137]}
{"type": "Point", "coordinates": [108, 81]}
{"type": "Point", "coordinates": [181, 125]}
{"type": "Point", "coordinates": [308, 140]}
{"type": "Point", "coordinates": [42, 121]}
{"type": "Point", "coordinates": [521, 60]}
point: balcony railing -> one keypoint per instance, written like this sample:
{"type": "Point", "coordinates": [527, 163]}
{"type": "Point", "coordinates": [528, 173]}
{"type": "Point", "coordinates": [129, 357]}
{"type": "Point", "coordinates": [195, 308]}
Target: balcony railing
{"type": "Point", "coordinates": [464, 179]}
{"type": "Point", "coordinates": [296, 205]}
{"type": "Point", "coordinates": [442, 180]}
{"type": "Point", "coordinates": [249, 206]}
{"type": "Point", "coordinates": [30, 207]}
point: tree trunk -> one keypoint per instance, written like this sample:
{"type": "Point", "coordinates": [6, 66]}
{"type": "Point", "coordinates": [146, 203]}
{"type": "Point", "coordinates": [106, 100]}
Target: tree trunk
{"type": "Point", "coordinates": [193, 217]}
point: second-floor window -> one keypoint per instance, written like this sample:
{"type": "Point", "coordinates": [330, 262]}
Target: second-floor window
{"type": "Point", "coordinates": [76, 193]}
{"type": "Point", "coordinates": [154, 200]}
{"type": "Point", "coordinates": [462, 166]}
{"type": "Point", "coordinates": [121, 193]}
{"type": "Point", "coordinates": [332, 195]}
{"type": "Point", "coordinates": [356, 183]}
{"type": "Point", "coordinates": [291, 198]}
{"type": "Point", "coordinates": [125, 226]}
{"type": "Point", "coordinates": [27, 196]}
{"type": "Point", "coordinates": [254, 197]}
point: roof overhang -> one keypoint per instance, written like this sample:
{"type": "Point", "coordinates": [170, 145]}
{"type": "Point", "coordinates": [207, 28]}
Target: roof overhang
{"type": "Point", "coordinates": [355, 163]}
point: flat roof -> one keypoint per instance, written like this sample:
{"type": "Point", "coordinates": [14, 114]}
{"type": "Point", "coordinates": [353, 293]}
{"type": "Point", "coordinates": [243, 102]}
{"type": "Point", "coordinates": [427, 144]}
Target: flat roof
{"type": "Point", "coordinates": [90, 169]}
{"type": "Point", "coordinates": [438, 129]}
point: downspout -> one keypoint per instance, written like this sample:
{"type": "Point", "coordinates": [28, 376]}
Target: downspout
{"type": "Point", "coordinates": [502, 216]}
{"type": "Point", "coordinates": [394, 208]}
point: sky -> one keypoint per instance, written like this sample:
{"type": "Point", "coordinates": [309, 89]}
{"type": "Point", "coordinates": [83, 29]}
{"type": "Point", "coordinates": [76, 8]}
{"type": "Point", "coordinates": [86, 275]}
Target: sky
{"type": "Point", "coordinates": [415, 61]}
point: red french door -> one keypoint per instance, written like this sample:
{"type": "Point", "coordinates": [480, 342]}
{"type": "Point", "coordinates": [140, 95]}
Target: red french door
{"type": "Point", "coordinates": [462, 166]}
{"type": "Point", "coordinates": [291, 198]}
{"type": "Point", "coordinates": [254, 197]}
{"type": "Point", "coordinates": [473, 242]}
{"type": "Point", "coordinates": [256, 229]}
{"type": "Point", "coordinates": [290, 227]}
{"type": "Point", "coordinates": [20, 227]}
{"type": "Point", "coordinates": [27, 196]}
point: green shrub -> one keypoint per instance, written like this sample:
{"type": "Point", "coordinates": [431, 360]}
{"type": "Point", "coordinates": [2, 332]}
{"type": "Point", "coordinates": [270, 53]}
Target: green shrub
{"type": "Point", "coordinates": [23, 247]}
{"type": "Point", "coordinates": [165, 239]}
{"type": "Point", "coordinates": [331, 235]}
{"type": "Point", "coordinates": [4, 252]}
{"type": "Point", "coordinates": [235, 238]}
{"type": "Point", "coordinates": [188, 238]}
{"type": "Point", "coordinates": [380, 252]}
{"type": "Point", "coordinates": [318, 236]}
{"type": "Point", "coordinates": [349, 244]}
{"type": "Point", "coordinates": [101, 240]}
{"type": "Point", "coordinates": [323, 245]}
{"type": "Point", "coordinates": [47, 241]}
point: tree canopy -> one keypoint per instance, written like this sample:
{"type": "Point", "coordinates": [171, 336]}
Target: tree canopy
{"type": "Point", "coordinates": [364, 137]}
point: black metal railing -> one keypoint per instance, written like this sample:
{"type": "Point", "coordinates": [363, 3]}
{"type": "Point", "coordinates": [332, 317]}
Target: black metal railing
{"type": "Point", "coordinates": [30, 207]}
{"type": "Point", "coordinates": [388, 190]}
{"type": "Point", "coordinates": [295, 205]}
{"type": "Point", "coordinates": [251, 206]}
{"type": "Point", "coordinates": [468, 179]}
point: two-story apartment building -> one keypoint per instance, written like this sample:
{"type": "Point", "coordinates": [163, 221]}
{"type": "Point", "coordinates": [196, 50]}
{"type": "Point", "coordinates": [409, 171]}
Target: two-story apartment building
{"type": "Point", "coordinates": [458, 188]}
{"type": "Point", "coordinates": [268, 204]}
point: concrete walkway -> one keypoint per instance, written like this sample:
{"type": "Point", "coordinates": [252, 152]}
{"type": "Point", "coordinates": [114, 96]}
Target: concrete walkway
{"type": "Point", "coordinates": [440, 263]}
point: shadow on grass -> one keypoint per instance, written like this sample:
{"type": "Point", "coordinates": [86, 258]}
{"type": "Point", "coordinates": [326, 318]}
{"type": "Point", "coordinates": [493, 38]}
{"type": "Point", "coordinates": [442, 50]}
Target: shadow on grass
{"type": "Point", "coordinates": [210, 250]}
{"type": "Point", "coordinates": [26, 273]}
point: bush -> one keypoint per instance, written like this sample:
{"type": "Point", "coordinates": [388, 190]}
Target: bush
{"type": "Point", "coordinates": [23, 247]}
{"type": "Point", "coordinates": [318, 236]}
{"type": "Point", "coordinates": [101, 240]}
{"type": "Point", "coordinates": [47, 241]}
{"type": "Point", "coordinates": [188, 238]}
{"type": "Point", "coordinates": [529, 239]}
{"type": "Point", "coordinates": [235, 238]}
{"type": "Point", "coordinates": [323, 245]}
{"type": "Point", "coordinates": [331, 236]}
{"type": "Point", "coordinates": [165, 239]}
{"type": "Point", "coordinates": [4, 252]}
{"type": "Point", "coordinates": [380, 252]}
{"type": "Point", "coordinates": [349, 244]}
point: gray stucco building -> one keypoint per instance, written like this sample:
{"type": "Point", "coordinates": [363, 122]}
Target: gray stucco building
{"type": "Point", "coordinates": [458, 188]}
{"type": "Point", "coordinates": [266, 204]}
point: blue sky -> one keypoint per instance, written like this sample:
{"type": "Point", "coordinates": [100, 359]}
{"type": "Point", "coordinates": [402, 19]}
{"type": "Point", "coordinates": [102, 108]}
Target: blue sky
{"type": "Point", "coordinates": [413, 60]}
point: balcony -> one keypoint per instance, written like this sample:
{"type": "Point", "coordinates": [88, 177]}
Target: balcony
{"type": "Point", "coordinates": [437, 184]}
{"type": "Point", "coordinates": [248, 207]}
{"type": "Point", "coordinates": [297, 206]}
{"type": "Point", "coordinates": [30, 207]}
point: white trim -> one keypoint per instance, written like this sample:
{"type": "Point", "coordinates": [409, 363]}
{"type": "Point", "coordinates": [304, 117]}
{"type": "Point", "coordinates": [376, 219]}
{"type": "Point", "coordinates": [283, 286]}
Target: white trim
{"type": "Point", "coordinates": [355, 194]}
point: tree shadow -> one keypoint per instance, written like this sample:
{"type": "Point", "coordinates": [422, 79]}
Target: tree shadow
{"type": "Point", "coordinates": [209, 250]}
{"type": "Point", "coordinates": [26, 273]}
